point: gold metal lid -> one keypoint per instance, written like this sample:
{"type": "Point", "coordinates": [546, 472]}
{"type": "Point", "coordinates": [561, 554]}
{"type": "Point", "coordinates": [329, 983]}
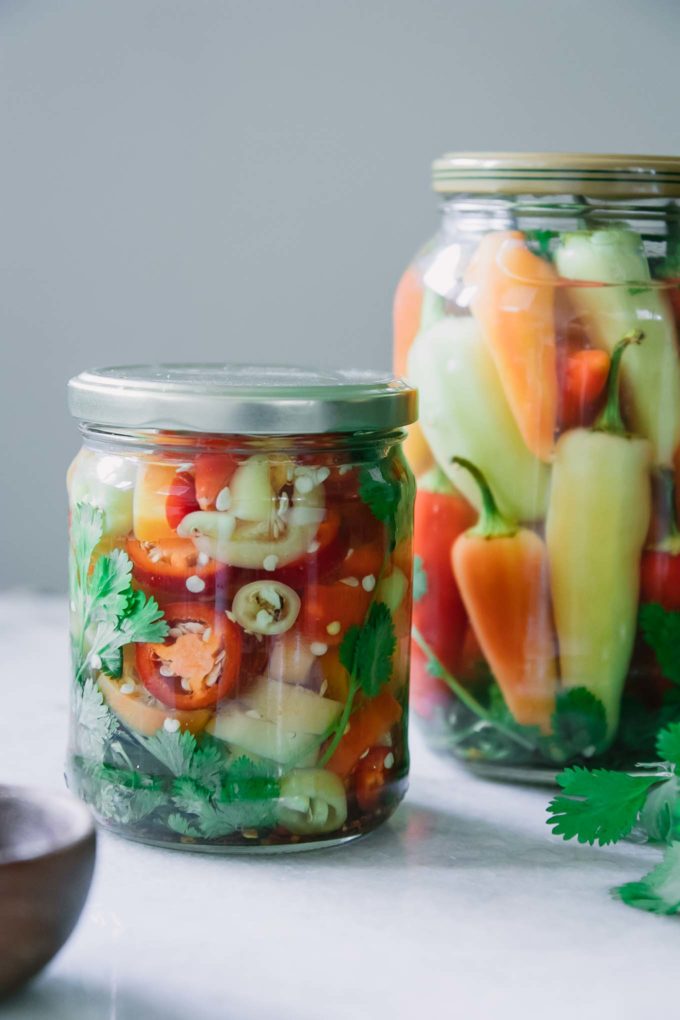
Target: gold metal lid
{"type": "Point", "coordinates": [557, 173]}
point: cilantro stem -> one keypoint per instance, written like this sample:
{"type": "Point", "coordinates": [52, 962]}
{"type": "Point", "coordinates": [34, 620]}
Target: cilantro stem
{"type": "Point", "coordinates": [342, 722]}
{"type": "Point", "coordinates": [467, 699]}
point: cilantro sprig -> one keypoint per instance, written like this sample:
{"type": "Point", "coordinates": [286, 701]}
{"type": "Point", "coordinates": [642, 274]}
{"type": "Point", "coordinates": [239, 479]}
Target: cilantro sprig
{"type": "Point", "coordinates": [602, 806]}
{"type": "Point", "coordinates": [366, 653]}
{"type": "Point", "coordinates": [107, 612]}
{"type": "Point", "coordinates": [659, 890]}
{"type": "Point", "coordinates": [598, 806]}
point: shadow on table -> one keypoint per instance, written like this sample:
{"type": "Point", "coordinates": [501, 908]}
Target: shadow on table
{"type": "Point", "coordinates": [422, 836]}
{"type": "Point", "coordinates": [62, 998]}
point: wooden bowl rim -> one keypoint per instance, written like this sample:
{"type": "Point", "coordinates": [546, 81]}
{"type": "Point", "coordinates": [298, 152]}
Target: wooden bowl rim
{"type": "Point", "coordinates": [74, 821]}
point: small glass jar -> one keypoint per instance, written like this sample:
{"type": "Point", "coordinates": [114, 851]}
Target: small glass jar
{"type": "Point", "coordinates": [541, 327]}
{"type": "Point", "coordinates": [240, 594]}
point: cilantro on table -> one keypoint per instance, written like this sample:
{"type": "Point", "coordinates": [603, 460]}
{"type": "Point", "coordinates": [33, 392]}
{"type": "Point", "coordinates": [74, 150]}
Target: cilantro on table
{"type": "Point", "coordinates": [659, 890]}
{"type": "Point", "coordinates": [366, 653]}
{"type": "Point", "coordinates": [599, 805]}
{"type": "Point", "coordinates": [603, 806]}
{"type": "Point", "coordinates": [107, 612]}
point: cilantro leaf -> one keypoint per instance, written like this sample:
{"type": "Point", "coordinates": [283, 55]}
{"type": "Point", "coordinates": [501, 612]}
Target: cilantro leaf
{"type": "Point", "coordinates": [180, 754]}
{"type": "Point", "coordinates": [173, 750]}
{"type": "Point", "coordinates": [109, 584]}
{"type": "Point", "coordinates": [659, 891]}
{"type": "Point", "coordinates": [143, 621]}
{"type": "Point", "coordinates": [668, 744]}
{"type": "Point", "coordinates": [579, 722]}
{"type": "Point", "coordinates": [366, 652]}
{"type": "Point", "coordinates": [240, 804]}
{"type": "Point", "coordinates": [419, 579]}
{"type": "Point", "coordinates": [657, 817]}
{"type": "Point", "coordinates": [87, 528]}
{"type": "Point", "coordinates": [597, 806]}
{"type": "Point", "coordinates": [179, 824]}
{"type": "Point", "coordinates": [542, 241]}
{"type": "Point", "coordinates": [383, 494]}
{"type": "Point", "coordinates": [121, 796]}
{"type": "Point", "coordinates": [661, 629]}
{"type": "Point", "coordinates": [94, 722]}
{"type": "Point", "coordinates": [107, 613]}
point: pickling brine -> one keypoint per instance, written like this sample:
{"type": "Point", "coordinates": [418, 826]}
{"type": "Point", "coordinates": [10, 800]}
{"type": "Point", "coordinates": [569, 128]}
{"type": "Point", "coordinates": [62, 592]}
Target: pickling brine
{"type": "Point", "coordinates": [541, 328]}
{"type": "Point", "coordinates": [240, 616]}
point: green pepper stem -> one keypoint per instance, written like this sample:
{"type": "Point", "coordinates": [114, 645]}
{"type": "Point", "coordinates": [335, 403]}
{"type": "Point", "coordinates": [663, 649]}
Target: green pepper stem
{"type": "Point", "coordinates": [492, 523]}
{"type": "Point", "coordinates": [610, 419]}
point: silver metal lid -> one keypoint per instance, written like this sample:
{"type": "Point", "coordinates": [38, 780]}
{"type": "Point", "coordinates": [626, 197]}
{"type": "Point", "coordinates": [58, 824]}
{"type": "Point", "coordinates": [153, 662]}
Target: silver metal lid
{"type": "Point", "coordinates": [240, 399]}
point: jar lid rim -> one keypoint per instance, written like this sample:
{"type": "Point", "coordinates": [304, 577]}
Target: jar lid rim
{"type": "Point", "coordinates": [605, 175]}
{"type": "Point", "coordinates": [239, 399]}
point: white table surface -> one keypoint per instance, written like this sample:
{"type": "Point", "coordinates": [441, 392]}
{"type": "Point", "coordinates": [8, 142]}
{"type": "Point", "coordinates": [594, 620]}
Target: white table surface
{"type": "Point", "coordinates": [463, 906]}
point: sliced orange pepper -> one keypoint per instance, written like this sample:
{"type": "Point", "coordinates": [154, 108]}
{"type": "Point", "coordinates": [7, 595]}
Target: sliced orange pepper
{"type": "Point", "coordinates": [367, 725]}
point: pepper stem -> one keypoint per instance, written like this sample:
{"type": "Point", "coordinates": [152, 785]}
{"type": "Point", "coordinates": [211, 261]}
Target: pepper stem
{"type": "Point", "coordinates": [492, 523]}
{"type": "Point", "coordinates": [610, 419]}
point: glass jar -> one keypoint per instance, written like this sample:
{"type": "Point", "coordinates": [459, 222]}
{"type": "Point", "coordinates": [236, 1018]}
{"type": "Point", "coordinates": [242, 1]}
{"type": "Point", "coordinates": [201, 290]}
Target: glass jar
{"type": "Point", "coordinates": [540, 326]}
{"type": "Point", "coordinates": [240, 594]}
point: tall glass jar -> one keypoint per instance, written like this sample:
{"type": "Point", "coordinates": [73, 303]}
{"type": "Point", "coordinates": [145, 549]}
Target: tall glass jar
{"type": "Point", "coordinates": [541, 327]}
{"type": "Point", "coordinates": [240, 585]}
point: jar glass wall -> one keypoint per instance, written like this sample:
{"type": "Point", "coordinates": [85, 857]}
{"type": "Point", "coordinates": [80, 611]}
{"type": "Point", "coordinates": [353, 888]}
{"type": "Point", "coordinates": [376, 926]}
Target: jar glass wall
{"type": "Point", "coordinates": [240, 619]}
{"type": "Point", "coordinates": [541, 328]}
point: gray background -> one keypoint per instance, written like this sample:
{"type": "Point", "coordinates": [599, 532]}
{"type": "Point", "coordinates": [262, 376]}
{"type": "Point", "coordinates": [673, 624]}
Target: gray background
{"type": "Point", "coordinates": [245, 179]}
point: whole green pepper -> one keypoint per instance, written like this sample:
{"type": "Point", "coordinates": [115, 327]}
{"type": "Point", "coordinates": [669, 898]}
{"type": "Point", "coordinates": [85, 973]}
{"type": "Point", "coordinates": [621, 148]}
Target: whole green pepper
{"type": "Point", "coordinates": [465, 413]}
{"type": "Point", "coordinates": [600, 507]}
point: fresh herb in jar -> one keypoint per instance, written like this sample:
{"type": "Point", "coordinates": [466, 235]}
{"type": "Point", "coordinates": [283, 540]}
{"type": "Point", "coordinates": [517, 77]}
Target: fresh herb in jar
{"type": "Point", "coordinates": [107, 612]}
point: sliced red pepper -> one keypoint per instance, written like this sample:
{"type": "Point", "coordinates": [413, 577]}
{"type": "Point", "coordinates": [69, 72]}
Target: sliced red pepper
{"type": "Point", "coordinates": [327, 550]}
{"type": "Point", "coordinates": [438, 613]}
{"type": "Point", "coordinates": [201, 655]}
{"type": "Point", "coordinates": [168, 565]}
{"type": "Point", "coordinates": [329, 609]}
{"type": "Point", "coordinates": [370, 778]}
{"type": "Point", "coordinates": [212, 472]}
{"type": "Point", "coordinates": [181, 499]}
